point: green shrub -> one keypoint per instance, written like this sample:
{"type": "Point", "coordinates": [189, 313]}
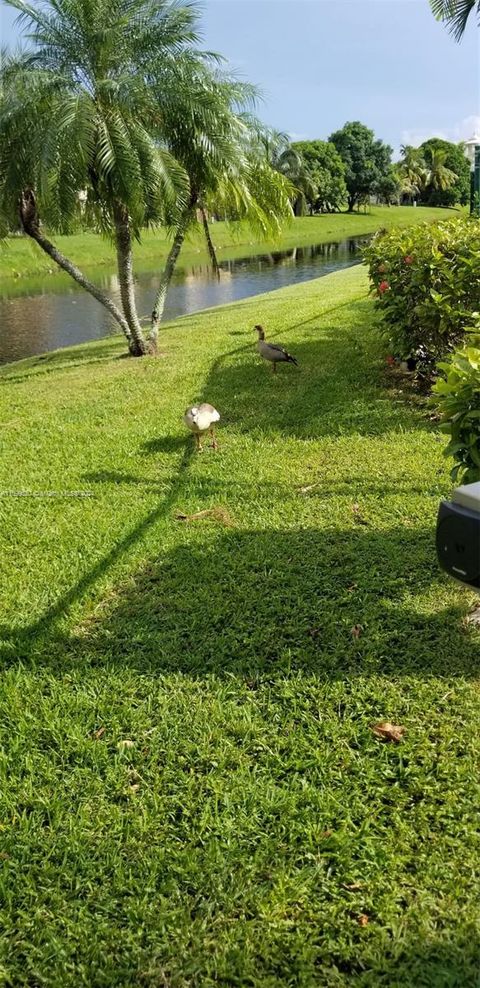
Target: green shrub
{"type": "Point", "coordinates": [427, 283]}
{"type": "Point", "coordinates": [456, 396]}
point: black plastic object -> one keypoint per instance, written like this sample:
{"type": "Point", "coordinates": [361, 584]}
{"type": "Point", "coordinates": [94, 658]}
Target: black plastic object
{"type": "Point", "coordinates": [458, 542]}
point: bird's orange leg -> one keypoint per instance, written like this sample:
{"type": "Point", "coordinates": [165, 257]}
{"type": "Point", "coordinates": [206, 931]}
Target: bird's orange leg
{"type": "Point", "coordinates": [214, 441]}
{"type": "Point", "coordinates": [198, 443]}
{"type": "Point", "coordinates": [274, 367]}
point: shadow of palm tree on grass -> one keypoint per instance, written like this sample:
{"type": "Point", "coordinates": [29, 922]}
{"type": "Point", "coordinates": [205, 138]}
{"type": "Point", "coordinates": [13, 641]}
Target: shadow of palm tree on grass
{"type": "Point", "coordinates": [321, 397]}
{"type": "Point", "coordinates": [264, 603]}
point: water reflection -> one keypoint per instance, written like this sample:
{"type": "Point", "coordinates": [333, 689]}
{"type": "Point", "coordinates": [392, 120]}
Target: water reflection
{"type": "Point", "coordinates": [46, 313]}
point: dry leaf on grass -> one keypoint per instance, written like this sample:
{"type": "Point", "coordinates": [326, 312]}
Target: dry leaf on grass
{"type": "Point", "coordinates": [473, 617]}
{"type": "Point", "coordinates": [362, 920]}
{"type": "Point", "coordinates": [357, 515]}
{"type": "Point", "coordinates": [388, 732]}
{"type": "Point", "coordinates": [307, 489]}
{"type": "Point", "coordinates": [356, 631]}
{"type": "Point", "coordinates": [354, 887]}
{"type": "Point", "coordinates": [218, 514]}
{"type": "Point", "coordinates": [126, 743]}
{"type": "Point", "coordinates": [98, 734]}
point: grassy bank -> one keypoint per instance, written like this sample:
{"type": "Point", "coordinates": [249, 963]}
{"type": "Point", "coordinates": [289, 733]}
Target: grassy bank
{"type": "Point", "coordinates": [20, 257]}
{"type": "Point", "coordinates": [192, 793]}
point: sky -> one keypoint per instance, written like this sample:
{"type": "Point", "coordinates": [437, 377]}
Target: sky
{"type": "Point", "coordinates": [320, 63]}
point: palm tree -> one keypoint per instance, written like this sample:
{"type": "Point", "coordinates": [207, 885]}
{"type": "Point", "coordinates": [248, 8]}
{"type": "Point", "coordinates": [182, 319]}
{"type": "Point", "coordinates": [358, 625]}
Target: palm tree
{"type": "Point", "coordinates": [274, 146]}
{"type": "Point", "coordinates": [455, 13]}
{"type": "Point", "coordinates": [79, 113]}
{"type": "Point", "coordinates": [412, 169]}
{"type": "Point", "coordinates": [212, 142]}
{"type": "Point", "coordinates": [438, 176]}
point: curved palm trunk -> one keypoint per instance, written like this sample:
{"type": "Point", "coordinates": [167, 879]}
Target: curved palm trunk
{"type": "Point", "coordinates": [123, 239]}
{"type": "Point", "coordinates": [166, 277]}
{"type": "Point", "coordinates": [211, 248]}
{"type": "Point", "coordinates": [31, 225]}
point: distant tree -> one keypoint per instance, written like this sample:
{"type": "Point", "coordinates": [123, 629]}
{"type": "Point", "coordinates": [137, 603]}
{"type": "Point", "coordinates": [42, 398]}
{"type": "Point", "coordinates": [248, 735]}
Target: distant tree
{"type": "Point", "coordinates": [274, 148]}
{"type": "Point", "coordinates": [326, 172]}
{"type": "Point", "coordinates": [412, 170]}
{"type": "Point", "coordinates": [389, 187]}
{"type": "Point", "coordinates": [455, 14]}
{"type": "Point", "coordinates": [441, 157]}
{"type": "Point", "coordinates": [366, 159]}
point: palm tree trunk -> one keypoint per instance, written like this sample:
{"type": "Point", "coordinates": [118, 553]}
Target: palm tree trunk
{"type": "Point", "coordinates": [211, 248]}
{"type": "Point", "coordinates": [30, 222]}
{"type": "Point", "coordinates": [166, 277]}
{"type": "Point", "coordinates": [123, 239]}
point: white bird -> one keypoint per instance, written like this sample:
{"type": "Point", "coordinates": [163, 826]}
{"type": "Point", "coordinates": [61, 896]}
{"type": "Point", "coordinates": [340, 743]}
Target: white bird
{"type": "Point", "coordinates": [200, 419]}
{"type": "Point", "coordinates": [272, 351]}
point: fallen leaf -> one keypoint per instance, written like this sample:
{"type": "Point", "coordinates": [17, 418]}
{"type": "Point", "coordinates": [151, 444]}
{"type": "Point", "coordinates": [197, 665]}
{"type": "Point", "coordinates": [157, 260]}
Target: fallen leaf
{"type": "Point", "coordinates": [218, 514]}
{"type": "Point", "coordinates": [314, 632]}
{"type": "Point", "coordinates": [356, 631]}
{"type": "Point", "coordinates": [354, 887]}
{"type": "Point", "coordinates": [357, 516]}
{"type": "Point", "coordinates": [362, 920]}
{"type": "Point", "coordinates": [352, 587]}
{"type": "Point", "coordinates": [307, 489]}
{"type": "Point", "coordinates": [388, 732]}
{"type": "Point", "coordinates": [326, 833]}
{"type": "Point", "coordinates": [126, 743]}
{"type": "Point", "coordinates": [4, 856]}
{"type": "Point", "coordinates": [98, 734]}
{"type": "Point", "coordinates": [473, 617]}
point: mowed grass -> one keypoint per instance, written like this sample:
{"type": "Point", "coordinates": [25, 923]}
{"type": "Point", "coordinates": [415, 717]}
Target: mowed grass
{"type": "Point", "coordinates": [192, 793]}
{"type": "Point", "coordinates": [20, 257]}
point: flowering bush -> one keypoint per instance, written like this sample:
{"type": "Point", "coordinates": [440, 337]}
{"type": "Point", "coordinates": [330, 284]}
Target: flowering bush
{"type": "Point", "coordinates": [426, 280]}
{"type": "Point", "coordinates": [456, 396]}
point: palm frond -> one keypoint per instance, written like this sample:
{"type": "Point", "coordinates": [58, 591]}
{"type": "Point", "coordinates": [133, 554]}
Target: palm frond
{"type": "Point", "coordinates": [455, 13]}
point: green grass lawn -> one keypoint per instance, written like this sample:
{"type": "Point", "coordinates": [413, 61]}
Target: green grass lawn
{"type": "Point", "coordinates": [192, 793]}
{"type": "Point", "coordinates": [20, 257]}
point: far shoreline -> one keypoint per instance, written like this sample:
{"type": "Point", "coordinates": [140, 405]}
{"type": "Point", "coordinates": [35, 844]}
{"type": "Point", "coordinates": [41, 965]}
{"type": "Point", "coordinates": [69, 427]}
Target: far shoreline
{"type": "Point", "coordinates": [20, 258]}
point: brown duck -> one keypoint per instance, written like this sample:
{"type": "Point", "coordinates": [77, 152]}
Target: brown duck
{"type": "Point", "coordinates": [273, 352]}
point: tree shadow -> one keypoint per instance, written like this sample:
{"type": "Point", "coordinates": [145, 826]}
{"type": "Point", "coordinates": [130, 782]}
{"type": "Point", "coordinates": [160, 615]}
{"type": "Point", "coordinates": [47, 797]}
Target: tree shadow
{"type": "Point", "coordinates": [453, 962]}
{"type": "Point", "coordinates": [326, 395]}
{"type": "Point", "coordinates": [129, 479]}
{"type": "Point", "coordinates": [265, 602]}
{"type": "Point", "coordinates": [64, 360]}
{"type": "Point", "coordinates": [18, 643]}
{"type": "Point", "coordinates": [165, 444]}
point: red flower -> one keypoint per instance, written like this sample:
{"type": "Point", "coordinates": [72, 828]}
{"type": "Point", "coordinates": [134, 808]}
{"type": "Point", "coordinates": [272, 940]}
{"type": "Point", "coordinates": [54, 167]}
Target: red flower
{"type": "Point", "coordinates": [383, 287]}
{"type": "Point", "coordinates": [408, 259]}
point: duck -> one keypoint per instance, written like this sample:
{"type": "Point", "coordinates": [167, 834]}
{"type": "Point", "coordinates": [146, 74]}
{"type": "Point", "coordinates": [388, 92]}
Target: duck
{"type": "Point", "coordinates": [200, 419]}
{"type": "Point", "coordinates": [273, 352]}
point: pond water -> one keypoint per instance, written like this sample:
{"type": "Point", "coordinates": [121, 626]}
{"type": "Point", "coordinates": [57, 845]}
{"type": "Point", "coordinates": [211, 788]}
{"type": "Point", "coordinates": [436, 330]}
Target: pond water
{"type": "Point", "coordinates": [41, 314]}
